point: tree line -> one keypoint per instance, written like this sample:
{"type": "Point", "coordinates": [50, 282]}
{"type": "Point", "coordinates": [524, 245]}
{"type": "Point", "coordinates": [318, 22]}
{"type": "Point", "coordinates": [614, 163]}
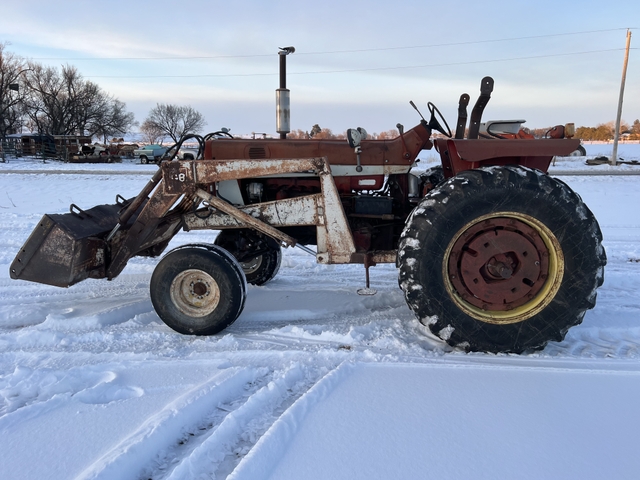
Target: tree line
{"type": "Point", "coordinates": [55, 101]}
{"type": "Point", "coordinates": [606, 131]}
{"type": "Point", "coordinates": [602, 132]}
{"type": "Point", "coordinates": [319, 133]}
{"type": "Point", "coordinates": [48, 100]}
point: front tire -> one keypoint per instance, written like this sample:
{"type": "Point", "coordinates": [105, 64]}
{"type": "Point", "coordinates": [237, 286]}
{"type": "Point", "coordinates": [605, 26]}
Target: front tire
{"type": "Point", "coordinates": [144, 160]}
{"type": "Point", "coordinates": [198, 289]}
{"type": "Point", "coordinates": [501, 259]}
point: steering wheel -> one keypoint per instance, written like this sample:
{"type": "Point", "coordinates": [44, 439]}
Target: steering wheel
{"type": "Point", "coordinates": [434, 124]}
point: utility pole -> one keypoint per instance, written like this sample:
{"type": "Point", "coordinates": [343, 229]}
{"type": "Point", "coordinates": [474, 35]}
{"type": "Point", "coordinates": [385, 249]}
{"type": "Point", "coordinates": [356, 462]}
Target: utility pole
{"type": "Point", "coordinates": [616, 134]}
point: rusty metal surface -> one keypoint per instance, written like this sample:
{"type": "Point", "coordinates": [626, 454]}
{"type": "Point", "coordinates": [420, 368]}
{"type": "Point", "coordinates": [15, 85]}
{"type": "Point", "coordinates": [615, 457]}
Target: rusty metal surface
{"type": "Point", "coordinates": [246, 219]}
{"type": "Point", "coordinates": [334, 237]}
{"type": "Point", "coordinates": [499, 264]}
{"type": "Point", "coordinates": [183, 176]}
{"type": "Point", "coordinates": [65, 249]}
{"type": "Point", "coordinates": [280, 213]}
{"type": "Point", "coordinates": [486, 149]}
{"type": "Point", "coordinates": [164, 232]}
{"type": "Point", "coordinates": [460, 155]}
{"type": "Point", "coordinates": [130, 241]}
{"type": "Point", "coordinates": [397, 151]}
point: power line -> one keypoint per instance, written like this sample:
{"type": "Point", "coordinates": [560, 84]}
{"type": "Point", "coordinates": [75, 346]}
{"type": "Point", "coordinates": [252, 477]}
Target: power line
{"type": "Point", "coordinates": [317, 72]}
{"type": "Point", "coordinates": [333, 52]}
{"type": "Point", "coordinates": [468, 42]}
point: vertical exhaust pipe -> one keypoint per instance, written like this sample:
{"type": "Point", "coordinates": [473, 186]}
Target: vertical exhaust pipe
{"type": "Point", "coordinates": [283, 111]}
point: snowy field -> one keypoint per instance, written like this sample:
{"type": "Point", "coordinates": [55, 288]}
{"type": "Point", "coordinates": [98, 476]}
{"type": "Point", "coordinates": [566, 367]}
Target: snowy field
{"type": "Point", "coordinates": [312, 381]}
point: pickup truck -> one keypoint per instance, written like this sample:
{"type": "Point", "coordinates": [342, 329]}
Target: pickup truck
{"type": "Point", "coordinates": [187, 153]}
{"type": "Point", "coordinates": [150, 153]}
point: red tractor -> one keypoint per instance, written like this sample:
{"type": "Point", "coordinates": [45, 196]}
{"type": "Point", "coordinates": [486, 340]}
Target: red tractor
{"type": "Point", "coordinates": [493, 254]}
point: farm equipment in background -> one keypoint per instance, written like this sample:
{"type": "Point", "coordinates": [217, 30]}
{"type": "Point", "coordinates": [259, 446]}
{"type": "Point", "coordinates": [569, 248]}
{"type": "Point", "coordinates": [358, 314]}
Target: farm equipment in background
{"type": "Point", "coordinates": [95, 153]}
{"type": "Point", "coordinates": [493, 254]}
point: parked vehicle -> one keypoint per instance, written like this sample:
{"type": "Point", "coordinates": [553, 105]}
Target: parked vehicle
{"type": "Point", "coordinates": [187, 153]}
{"type": "Point", "coordinates": [150, 153]}
{"type": "Point", "coordinates": [95, 149]}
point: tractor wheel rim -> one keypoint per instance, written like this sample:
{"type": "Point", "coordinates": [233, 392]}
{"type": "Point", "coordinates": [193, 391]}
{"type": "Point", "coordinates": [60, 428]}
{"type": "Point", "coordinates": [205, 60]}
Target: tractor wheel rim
{"type": "Point", "coordinates": [195, 293]}
{"type": "Point", "coordinates": [503, 268]}
{"type": "Point", "coordinates": [251, 266]}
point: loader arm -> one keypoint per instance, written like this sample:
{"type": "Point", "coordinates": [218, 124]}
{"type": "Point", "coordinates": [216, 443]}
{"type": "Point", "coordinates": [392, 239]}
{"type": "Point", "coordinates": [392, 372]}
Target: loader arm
{"type": "Point", "coordinates": [335, 241]}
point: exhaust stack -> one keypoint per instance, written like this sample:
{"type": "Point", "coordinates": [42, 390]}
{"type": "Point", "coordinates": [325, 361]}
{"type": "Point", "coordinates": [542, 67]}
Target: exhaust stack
{"type": "Point", "coordinates": [283, 111]}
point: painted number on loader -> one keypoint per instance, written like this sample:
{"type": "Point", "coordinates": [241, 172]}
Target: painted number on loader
{"type": "Point", "coordinates": [178, 180]}
{"type": "Point", "coordinates": [180, 177]}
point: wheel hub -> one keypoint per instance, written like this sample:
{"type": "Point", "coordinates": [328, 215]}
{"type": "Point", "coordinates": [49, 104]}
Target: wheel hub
{"type": "Point", "coordinates": [498, 267]}
{"type": "Point", "coordinates": [501, 266]}
{"type": "Point", "coordinates": [195, 293]}
{"type": "Point", "coordinates": [252, 265]}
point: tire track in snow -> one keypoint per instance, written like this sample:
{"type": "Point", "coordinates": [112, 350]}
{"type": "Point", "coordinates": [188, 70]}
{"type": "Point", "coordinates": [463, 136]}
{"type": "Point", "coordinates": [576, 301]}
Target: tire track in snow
{"type": "Point", "coordinates": [168, 426]}
{"type": "Point", "coordinates": [223, 448]}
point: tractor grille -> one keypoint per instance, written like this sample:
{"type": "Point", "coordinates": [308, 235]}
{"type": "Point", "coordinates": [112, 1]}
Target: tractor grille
{"type": "Point", "coordinates": [257, 152]}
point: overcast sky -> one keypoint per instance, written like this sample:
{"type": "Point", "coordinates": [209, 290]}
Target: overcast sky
{"type": "Point", "coordinates": [357, 63]}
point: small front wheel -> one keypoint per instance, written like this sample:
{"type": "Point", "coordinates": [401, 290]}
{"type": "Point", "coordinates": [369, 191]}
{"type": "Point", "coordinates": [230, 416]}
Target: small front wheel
{"type": "Point", "coordinates": [143, 159]}
{"type": "Point", "coordinates": [198, 289]}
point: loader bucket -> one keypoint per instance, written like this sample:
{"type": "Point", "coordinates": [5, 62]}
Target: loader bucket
{"type": "Point", "coordinates": [65, 249]}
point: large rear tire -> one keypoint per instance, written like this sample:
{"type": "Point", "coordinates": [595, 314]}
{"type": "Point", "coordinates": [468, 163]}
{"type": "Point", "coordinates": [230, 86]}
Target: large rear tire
{"type": "Point", "coordinates": [259, 256]}
{"type": "Point", "coordinates": [198, 289]}
{"type": "Point", "coordinates": [501, 259]}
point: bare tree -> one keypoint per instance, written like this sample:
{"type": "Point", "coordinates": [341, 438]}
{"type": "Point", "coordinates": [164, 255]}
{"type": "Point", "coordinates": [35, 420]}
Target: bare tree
{"type": "Point", "coordinates": [11, 95]}
{"type": "Point", "coordinates": [63, 103]}
{"type": "Point", "coordinates": [52, 104]}
{"type": "Point", "coordinates": [112, 120]}
{"type": "Point", "coordinates": [151, 133]}
{"type": "Point", "coordinates": [176, 121]}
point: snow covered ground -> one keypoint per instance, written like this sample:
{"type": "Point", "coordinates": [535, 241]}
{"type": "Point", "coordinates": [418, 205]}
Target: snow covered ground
{"type": "Point", "coordinates": [312, 381]}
